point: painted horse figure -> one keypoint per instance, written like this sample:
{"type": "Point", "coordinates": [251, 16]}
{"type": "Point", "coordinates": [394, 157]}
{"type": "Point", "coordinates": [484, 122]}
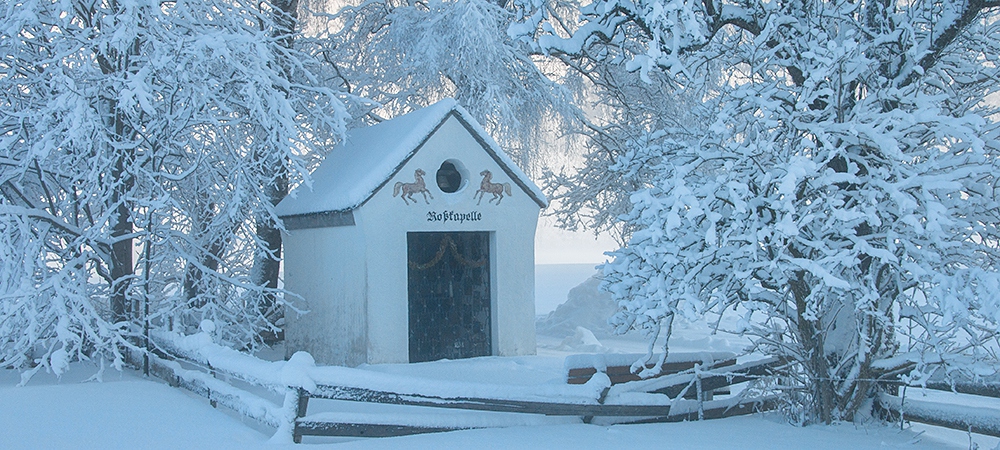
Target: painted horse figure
{"type": "Point", "coordinates": [486, 187]}
{"type": "Point", "coordinates": [416, 187]}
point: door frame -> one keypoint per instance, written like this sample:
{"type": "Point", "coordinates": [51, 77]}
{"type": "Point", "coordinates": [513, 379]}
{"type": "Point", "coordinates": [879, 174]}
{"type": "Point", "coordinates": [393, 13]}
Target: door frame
{"type": "Point", "coordinates": [491, 274]}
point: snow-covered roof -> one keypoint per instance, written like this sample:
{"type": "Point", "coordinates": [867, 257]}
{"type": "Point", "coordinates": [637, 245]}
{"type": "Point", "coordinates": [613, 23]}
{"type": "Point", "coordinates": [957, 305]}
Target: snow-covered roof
{"type": "Point", "coordinates": [357, 168]}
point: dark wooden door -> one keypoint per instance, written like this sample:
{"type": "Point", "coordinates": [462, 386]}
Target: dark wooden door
{"type": "Point", "coordinates": [449, 295]}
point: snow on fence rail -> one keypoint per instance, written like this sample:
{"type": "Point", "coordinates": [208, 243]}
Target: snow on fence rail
{"type": "Point", "coordinates": [382, 425]}
{"type": "Point", "coordinates": [220, 365]}
{"type": "Point", "coordinates": [623, 367]}
{"type": "Point", "coordinates": [218, 392]}
{"type": "Point", "coordinates": [299, 379]}
{"type": "Point", "coordinates": [958, 417]}
{"type": "Point", "coordinates": [591, 399]}
{"type": "Point", "coordinates": [701, 381]}
{"type": "Point", "coordinates": [980, 389]}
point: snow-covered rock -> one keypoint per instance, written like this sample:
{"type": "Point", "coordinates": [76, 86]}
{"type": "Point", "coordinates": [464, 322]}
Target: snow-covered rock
{"type": "Point", "coordinates": [586, 306]}
{"type": "Point", "coordinates": [582, 340]}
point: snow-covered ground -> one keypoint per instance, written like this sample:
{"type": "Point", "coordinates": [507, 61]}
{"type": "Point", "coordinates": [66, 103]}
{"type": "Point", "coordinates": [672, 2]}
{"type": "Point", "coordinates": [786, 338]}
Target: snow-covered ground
{"type": "Point", "coordinates": [123, 412]}
{"type": "Point", "coordinates": [126, 410]}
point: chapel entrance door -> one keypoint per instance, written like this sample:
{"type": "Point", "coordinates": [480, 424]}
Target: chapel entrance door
{"type": "Point", "coordinates": [449, 295]}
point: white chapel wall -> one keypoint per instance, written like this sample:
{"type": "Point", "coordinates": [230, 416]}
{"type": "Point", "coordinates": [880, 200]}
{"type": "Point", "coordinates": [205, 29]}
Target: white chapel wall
{"type": "Point", "coordinates": [385, 220]}
{"type": "Point", "coordinates": [326, 267]}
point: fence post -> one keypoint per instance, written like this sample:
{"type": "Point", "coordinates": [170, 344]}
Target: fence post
{"type": "Point", "coordinates": [902, 402]}
{"type": "Point", "coordinates": [301, 405]}
{"type": "Point", "coordinates": [700, 393]}
{"type": "Point", "coordinates": [211, 400]}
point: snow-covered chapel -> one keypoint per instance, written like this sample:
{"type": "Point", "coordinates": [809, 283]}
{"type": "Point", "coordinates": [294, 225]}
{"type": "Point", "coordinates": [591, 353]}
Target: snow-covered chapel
{"type": "Point", "coordinates": [415, 242]}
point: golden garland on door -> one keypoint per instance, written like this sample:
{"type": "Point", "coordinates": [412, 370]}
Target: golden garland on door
{"type": "Point", "coordinates": [447, 244]}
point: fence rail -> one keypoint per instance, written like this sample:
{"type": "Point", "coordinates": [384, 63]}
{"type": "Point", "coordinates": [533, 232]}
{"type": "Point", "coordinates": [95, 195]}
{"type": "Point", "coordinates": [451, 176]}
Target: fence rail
{"type": "Point", "coordinates": [980, 389]}
{"type": "Point", "coordinates": [215, 372]}
{"type": "Point", "coordinates": [553, 408]}
{"type": "Point", "coordinates": [215, 384]}
{"type": "Point", "coordinates": [662, 402]}
{"type": "Point", "coordinates": [965, 418]}
{"type": "Point", "coordinates": [665, 408]}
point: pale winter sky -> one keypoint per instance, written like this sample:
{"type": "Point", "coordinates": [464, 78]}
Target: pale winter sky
{"type": "Point", "coordinates": [557, 246]}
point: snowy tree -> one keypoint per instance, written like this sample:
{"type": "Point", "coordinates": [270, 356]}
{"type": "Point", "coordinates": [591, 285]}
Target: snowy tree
{"type": "Point", "coordinates": [405, 55]}
{"type": "Point", "coordinates": [149, 129]}
{"type": "Point", "coordinates": [843, 198]}
{"type": "Point", "coordinates": [546, 110]}
{"type": "Point", "coordinates": [625, 112]}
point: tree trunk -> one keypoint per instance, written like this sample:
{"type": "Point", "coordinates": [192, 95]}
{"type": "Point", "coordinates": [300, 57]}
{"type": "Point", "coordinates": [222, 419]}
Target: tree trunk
{"type": "Point", "coordinates": [268, 262]}
{"type": "Point", "coordinates": [817, 366]}
{"type": "Point", "coordinates": [267, 265]}
{"type": "Point", "coordinates": [212, 252]}
{"type": "Point", "coordinates": [122, 267]}
{"type": "Point", "coordinates": [121, 264]}
{"type": "Point", "coordinates": [122, 133]}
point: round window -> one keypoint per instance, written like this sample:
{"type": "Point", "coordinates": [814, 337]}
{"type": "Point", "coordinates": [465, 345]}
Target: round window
{"type": "Point", "coordinates": [449, 177]}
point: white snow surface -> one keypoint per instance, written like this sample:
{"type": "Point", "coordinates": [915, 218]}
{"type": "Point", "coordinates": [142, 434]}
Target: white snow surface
{"type": "Point", "coordinates": [356, 168]}
{"type": "Point", "coordinates": [126, 410]}
{"type": "Point", "coordinates": [735, 433]}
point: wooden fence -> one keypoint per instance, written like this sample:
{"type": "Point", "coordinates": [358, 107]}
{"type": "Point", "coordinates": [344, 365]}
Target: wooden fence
{"type": "Point", "coordinates": [958, 417]}
{"type": "Point", "coordinates": [219, 387]}
{"type": "Point", "coordinates": [682, 393]}
{"type": "Point", "coordinates": [234, 390]}
{"type": "Point", "coordinates": [672, 385]}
